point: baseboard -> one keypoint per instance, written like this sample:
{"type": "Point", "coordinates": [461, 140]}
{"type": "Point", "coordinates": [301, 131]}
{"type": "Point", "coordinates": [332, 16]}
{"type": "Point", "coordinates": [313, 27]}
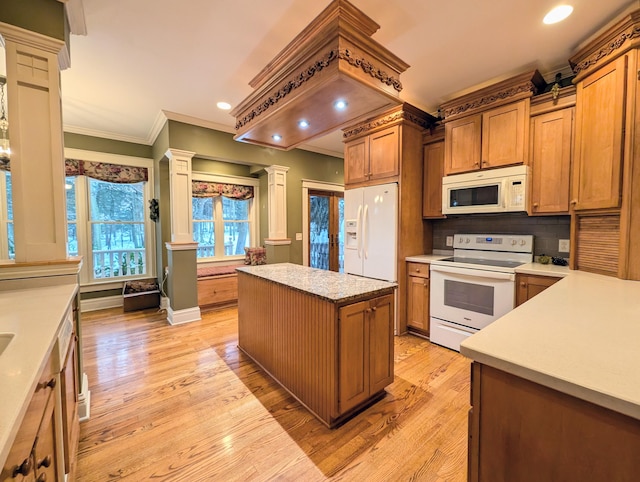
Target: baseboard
{"type": "Point", "coordinates": [94, 304]}
{"type": "Point", "coordinates": [183, 316]}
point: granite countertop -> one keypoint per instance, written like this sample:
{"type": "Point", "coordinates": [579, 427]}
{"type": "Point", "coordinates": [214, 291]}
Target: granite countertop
{"type": "Point", "coordinates": [335, 287]}
{"type": "Point", "coordinates": [33, 315]}
{"type": "Point", "coordinates": [581, 337]}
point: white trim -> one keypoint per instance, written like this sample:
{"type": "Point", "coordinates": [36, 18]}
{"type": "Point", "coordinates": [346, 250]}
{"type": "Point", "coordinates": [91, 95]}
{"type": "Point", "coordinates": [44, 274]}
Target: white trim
{"type": "Point", "coordinates": [22, 270]}
{"type": "Point", "coordinates": [172, 246]}
{"type": "Point", "coordinates": [183, 316]}
{"type": "Point", "coordinates": [102, 286]}
{"type": "Point", "coordinates": [225, 178]}
{"type": "Point", "coordinates": [75, 15]}
{"type": "Point", "coordinates": [196, 121]}
{"type": "Point", "coordinates": [95, 304]}
{"type": "Point", "coordinates": [277, 242]}
{"type": "Point", "coordinates": [104, 134]}
{"type": "Point", "coordinates": [156, 128]}
{"type": "Point", "coordinates": [31, 39]}
{"type": "Point", "coordinates": [319, 186]}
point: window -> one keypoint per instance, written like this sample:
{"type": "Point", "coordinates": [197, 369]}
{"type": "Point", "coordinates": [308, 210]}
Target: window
{"type": "Point", "coordinates": [224, 218]}
{"type": "Point", "coordinates": [107, 221]}
{"type": "Point", "coordinates": [7, 246]}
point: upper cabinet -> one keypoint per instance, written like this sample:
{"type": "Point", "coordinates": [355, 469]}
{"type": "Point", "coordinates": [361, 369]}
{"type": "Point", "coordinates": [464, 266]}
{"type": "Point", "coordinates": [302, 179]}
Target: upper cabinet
{"type": "Point", "coordinates": [490, 127]}
{"type": "Point", "coordinates": [605, 221]}
{"type": "Point", "coordinates": [433, 170]}
{"type": "Point", "coordinates": [550, 155]}
{"type": "Point", "coordinates": [373, 158]}
{"type": "Point", "coordinates": [599, 137]}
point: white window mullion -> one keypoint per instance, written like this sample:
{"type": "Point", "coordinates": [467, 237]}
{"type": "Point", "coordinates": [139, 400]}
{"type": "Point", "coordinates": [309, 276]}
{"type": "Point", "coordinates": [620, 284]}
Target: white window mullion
{"type": "Point", "coordinates": [218, 224]}
{"type": "Point", "coordinates": [82, 224]}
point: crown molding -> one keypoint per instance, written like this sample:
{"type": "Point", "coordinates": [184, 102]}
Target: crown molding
{"type": "Point", "coordinates": [403, 113]}
{"type": "Point", "coordinates": [105, 135]}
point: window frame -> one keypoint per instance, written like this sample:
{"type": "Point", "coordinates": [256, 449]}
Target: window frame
{"type": "Point", "coordinates": [83, 223]}
{"type": "Point", "coordinates": [254, 214]}
{"type": "Point", "coordinates": [4, 220]}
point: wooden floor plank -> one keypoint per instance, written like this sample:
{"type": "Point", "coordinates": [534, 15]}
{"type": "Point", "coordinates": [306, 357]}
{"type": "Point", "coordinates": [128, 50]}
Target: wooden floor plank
{"type": "Point", "coordinates": [183, 403]}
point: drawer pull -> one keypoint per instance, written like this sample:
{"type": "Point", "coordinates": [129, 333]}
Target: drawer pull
{"type": "Point", "coordinates": [42, 477]}
{"type": "Point", "coordinates": [50, 384]}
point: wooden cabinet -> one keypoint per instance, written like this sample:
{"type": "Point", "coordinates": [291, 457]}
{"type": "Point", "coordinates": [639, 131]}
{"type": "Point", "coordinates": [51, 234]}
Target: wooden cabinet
{"type": "Point", "coordinates": [418, 298]}
{"type": "Point", "coordinates": [600, 109]}
{"type": "Point", "coordinates": [373, 159]}
{"type": "Point", "coordinates": [69, 390]}
{"type": "Point", "coordinates": [528, 286]}
{"type": "Point", "coordinates": [334, 354]}
{"type": "Point", "coordinates": [433, 166]}
{"type": "Point", "coordinates": [366, 350]}
{"type": "Point", "coordinates": [521, 430]}
{"type": "Point", "coordinates": [495, 138]}
{"type": "Point", "coordinates": [34, 451]}
{"type": "Point", "coordinates": [551, 137]}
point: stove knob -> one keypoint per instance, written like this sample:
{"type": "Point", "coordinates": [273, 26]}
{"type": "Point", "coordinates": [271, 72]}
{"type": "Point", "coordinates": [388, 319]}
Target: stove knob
{"type": "Point", "coordinates": [467, 240]}
{"type": "Point", "coordinates": [461, 240]}
{"type": "Point", "coordinates": [522, 242]}
{"type": "Point", "coordinates": [513, 242]}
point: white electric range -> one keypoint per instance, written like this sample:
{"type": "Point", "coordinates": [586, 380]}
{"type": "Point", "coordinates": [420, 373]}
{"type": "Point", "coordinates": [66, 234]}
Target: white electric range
{"type": "Point", "coordinates": [476, 286]}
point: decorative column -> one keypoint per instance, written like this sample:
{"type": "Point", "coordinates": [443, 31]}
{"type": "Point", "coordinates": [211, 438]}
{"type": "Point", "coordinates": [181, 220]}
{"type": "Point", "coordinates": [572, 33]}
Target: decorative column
{"type": "Point", "coordinates": [182, 260]}
{"type": "Point", "coordinates": [37, 151]}
{"type": "Point", "coordinates": [277, 244]}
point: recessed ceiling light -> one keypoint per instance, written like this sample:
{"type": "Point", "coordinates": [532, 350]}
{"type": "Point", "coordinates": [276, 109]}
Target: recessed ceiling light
{"type": "Point", "coordinates": [276, 137]}
{"type": "Point", "coordinates": [557, 14]}
{"type": "Point", "coordinates": [340, 104]}
{"type": "Point", "coordinates": [303, 124]}
{"type": "Point", "coordinates": [224, 105]}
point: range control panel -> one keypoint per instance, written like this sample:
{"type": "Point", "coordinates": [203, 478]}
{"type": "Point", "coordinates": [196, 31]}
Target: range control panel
{"type": "Point", "coordinates": [519, 243]}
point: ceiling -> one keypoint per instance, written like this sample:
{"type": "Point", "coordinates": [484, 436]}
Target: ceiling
{"type": "Point", "coordinates": [141, 61]}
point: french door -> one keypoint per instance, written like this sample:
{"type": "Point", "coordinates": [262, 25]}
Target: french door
{"type": "Point", "coordinates": [326, 238]}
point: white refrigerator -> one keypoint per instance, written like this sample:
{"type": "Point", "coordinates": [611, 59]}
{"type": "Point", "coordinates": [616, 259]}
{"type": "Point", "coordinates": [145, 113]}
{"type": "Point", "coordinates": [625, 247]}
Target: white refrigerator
{"type": "Point", "coordinates": [371, 220]}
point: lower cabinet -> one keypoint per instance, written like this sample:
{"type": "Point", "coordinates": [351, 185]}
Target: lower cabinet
{"type": "Point", "coordinates": [418, 298]}
{"type": "Point", "coordinates": [33, 453]}
{"type": "Point", "coordinates": [530, 285]}
{"type": "Point", "coordinates": [366, 350]}
{"type": "Point", "coordinates": [523, 431]}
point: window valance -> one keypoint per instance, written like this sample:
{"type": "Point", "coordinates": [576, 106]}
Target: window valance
{"type": "Point", "coordinates": [215, 189]}
{"type": "Point", "coordinates": [106, 172]}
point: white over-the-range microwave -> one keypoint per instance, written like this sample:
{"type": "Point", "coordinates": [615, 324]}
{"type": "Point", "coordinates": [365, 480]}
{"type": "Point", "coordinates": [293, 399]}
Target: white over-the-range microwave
{"type": "Point", "coordinates": [489, 191]}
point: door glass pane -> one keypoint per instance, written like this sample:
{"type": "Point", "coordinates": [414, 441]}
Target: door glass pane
{"type": "Point", "coordinates": [319, 232]}
{"type": "Point", "coordinates": [469, 296]}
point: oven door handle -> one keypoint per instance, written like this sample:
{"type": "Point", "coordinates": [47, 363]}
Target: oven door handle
{"type": "Point", "coordinates": [475, 273]}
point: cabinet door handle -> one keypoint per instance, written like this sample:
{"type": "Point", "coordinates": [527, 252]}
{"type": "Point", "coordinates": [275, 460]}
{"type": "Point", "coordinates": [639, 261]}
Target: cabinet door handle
{"type": "Point", "coordinates": [374, 308]}
{"type": "Point", "coordinates": [417, 270]}
{"type": "Point", "coordinates": [574, 201]}
{"type": "Point", "coordinates": [523, 284]}
{"type": "Point", "coordinates": [535, 205]}
{"type": "Point", "coordinates": [477, 164]}
{"type": "Point", "coordinates": [484, 163]}
{"type": "Point", "coordinates": [24, 468]}
{"type": "Point", "coordinates": [50, 384]}
{"type": "Point", "coordinates": [42, 477]}
{"type": "Point", "coordinates": [45, 462]}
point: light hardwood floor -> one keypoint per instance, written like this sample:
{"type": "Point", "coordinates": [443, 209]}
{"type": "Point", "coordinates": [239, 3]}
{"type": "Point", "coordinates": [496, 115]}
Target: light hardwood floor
{"type": "Point", "coordinates": [182, 403]}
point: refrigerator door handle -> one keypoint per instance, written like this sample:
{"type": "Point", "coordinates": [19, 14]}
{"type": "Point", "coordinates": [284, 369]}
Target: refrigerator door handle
{"type": "Point", "coordinates": [364, 230]}
{"type": "Point", "coordinates": [359, 232]}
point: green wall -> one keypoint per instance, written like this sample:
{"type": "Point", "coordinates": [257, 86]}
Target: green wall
{"type": "Point", "coordinates": [100, 144]}
{"type": "Point", "coordinates": [43, 16]}
{"type": "Point", "coordinates": [302, 165]}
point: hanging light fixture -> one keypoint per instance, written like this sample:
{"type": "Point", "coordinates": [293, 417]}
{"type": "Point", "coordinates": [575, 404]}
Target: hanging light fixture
{"type": "Point", "coordinates": [5, 151]}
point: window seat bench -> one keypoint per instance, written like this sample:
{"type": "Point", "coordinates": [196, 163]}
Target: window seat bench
{"type": "Point", "coordinates": [217, 286]}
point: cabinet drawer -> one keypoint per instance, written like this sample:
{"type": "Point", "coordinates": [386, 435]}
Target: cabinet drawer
{"type": "Point", "coordinates": [418, 269]}
{"type": "Point", "coordinates": [217, 290]}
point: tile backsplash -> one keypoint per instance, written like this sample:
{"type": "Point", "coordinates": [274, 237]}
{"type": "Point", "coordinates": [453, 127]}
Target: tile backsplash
{"type": "Point", "coordinates": [547, 230]}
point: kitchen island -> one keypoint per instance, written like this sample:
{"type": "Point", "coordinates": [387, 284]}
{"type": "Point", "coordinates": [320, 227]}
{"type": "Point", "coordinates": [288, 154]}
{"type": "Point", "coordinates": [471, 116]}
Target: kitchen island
{"type": "Point", "coordinates": [326, 337]}
{"type": "Point", "coordinates": [556, 385]}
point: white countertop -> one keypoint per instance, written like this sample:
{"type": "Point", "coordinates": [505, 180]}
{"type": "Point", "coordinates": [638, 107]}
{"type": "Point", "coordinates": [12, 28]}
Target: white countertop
{"type": "Point", "coordinates": [335, 287]}
{"type": "Point", "coordinates": [544, 270]}
{"type": "Point", "coordinates": [581, 336]}
{"type": "Point", "coordinates": [34, 316]}
{"type": "Point", "coordinates": [427, 258]}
